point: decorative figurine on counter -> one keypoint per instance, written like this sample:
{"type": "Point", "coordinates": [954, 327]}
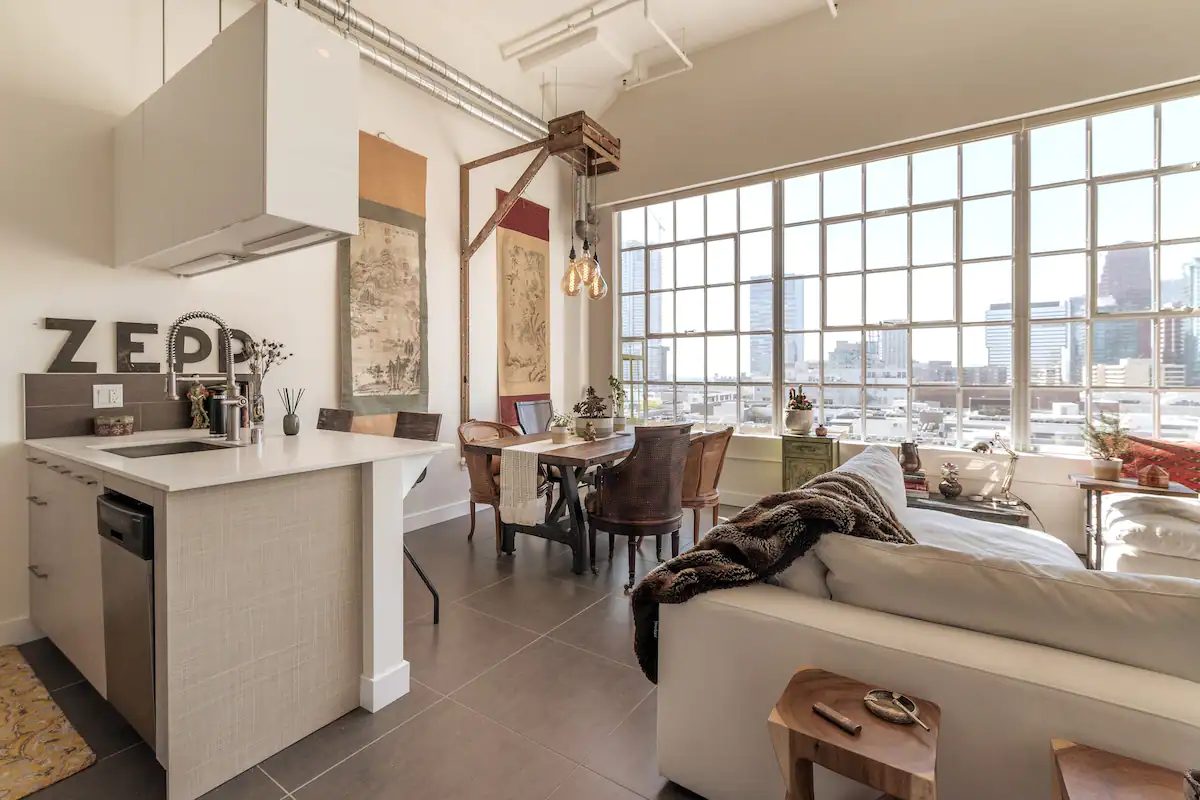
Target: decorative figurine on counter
{"type": "Point", "coordinates": [950, 487]}
{"type": "Point", "coordinates": [910, 459]}
{"type": "Point", "coordinates": [589, 432]}
{"type": "Point", "coordinates": [198, 394]}
{"type": "Point", "coordinates": [821, 430]}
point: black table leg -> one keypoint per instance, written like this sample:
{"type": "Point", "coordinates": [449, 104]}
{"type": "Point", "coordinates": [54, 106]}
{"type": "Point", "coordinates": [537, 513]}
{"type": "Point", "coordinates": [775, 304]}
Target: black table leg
{"type": "Point", "coordinates": [570, 489]}
{"type": "Point", "coordinates": [437, 601]}
{"type": "Point", "coordinates": [1097, 531]}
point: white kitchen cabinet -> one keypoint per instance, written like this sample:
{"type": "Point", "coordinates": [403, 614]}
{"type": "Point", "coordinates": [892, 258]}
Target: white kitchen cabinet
{"type": "Point", "coordinates": [66, 600]}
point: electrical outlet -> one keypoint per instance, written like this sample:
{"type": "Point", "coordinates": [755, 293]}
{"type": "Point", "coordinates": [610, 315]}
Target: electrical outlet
{"type": "Point", "coordinates": [108, 395]}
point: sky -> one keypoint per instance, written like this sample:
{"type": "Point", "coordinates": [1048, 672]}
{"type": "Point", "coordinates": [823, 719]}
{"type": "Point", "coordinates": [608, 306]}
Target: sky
{"type": "Point", "coordinates": [1121, 142]}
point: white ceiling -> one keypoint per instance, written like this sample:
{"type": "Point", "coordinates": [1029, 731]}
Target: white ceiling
{"type": "Point", "coordinates": [591, 76]}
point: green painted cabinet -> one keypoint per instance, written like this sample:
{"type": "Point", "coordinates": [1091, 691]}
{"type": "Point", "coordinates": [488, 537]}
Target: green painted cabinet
{"type": "Point", "coordinates": [806, 457]}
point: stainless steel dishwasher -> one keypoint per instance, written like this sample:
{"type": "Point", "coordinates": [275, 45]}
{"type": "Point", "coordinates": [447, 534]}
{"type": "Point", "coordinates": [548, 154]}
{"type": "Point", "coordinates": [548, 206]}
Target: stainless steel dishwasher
{"type": "Point", "coordinates": [126, 528]}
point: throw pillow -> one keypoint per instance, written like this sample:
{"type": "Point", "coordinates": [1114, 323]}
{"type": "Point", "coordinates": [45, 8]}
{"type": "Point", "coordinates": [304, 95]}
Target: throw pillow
{"type": "Point", "coordinates": [1181, 460]}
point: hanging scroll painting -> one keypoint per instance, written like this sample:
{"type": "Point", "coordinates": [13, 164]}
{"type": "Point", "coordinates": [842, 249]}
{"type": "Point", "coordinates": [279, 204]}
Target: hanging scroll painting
{"type": "Point", "coordinates": [381, 275]}
{"type": "Point", "coordinates": [523, 267]}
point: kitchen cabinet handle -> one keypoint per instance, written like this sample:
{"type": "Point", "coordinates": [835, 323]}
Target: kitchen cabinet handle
{"type": "Point", "coordinates": [85, 479]}
{"type": "Point", "coordinates": [33, 460]}
{"type": "Point", "coordinates": [60, 469]}
{"type": "Point", "coordinates": [37, 573]}
{"type": "Point", "coordinates": [37, 501]}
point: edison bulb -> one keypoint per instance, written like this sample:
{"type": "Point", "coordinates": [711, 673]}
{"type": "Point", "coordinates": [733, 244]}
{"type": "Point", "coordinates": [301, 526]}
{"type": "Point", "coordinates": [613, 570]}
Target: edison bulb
{"type": "Point", "coordinates": [598, 288]}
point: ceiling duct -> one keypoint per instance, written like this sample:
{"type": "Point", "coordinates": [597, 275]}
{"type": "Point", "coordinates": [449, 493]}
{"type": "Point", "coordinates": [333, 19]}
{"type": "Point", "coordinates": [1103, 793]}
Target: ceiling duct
{"type": "Point", "coordinates": [480, 102]}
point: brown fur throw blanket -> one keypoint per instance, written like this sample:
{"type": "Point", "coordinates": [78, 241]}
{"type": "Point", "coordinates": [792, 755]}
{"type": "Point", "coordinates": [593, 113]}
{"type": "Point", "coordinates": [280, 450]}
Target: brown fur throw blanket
{"type": "Point", "coordinates": [761, 541]}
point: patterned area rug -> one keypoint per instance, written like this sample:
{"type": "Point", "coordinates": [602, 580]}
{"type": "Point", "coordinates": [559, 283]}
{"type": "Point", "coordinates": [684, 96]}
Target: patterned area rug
{"type": "Point", "coordinates": [38, 747]}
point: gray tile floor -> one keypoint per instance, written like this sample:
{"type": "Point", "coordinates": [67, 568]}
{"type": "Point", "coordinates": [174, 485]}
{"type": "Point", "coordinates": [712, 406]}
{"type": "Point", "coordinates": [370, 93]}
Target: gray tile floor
{"type": "Point", "coordinates": [527, 690]}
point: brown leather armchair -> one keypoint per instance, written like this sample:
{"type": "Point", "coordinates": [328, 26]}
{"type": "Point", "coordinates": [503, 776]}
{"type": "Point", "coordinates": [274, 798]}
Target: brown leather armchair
{"type": "Point", "coordinates": [643, 494]}
{"type": "Point", "coordinates": [705, 459]}
{"type": "Point", "coordinates": [484, 469]}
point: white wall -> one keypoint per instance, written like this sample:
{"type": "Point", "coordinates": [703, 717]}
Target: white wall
{"type": "Point", "coordinates": [69, 70]}
{"type": "Point", "coordinates": [886, 71]}
{"type": "Point", "coordinates": [753, 469]}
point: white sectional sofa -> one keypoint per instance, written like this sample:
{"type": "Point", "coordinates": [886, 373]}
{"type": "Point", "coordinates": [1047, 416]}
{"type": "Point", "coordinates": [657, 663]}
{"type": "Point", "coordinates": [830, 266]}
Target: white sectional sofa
{"type": "Point", "coordinates": [1018, 645]}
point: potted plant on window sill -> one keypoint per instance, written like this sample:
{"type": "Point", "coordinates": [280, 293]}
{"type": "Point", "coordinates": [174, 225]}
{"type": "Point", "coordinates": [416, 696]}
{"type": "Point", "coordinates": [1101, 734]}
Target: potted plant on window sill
{"type": "Point", "coordinates": [592, 409]}
{"type": "Point", "coordinates": [560, 428]}
{"type": "Point", "coordinates": [618, 403]}
{"type": "Point", "coordinates": [1106, 442]}
{"type": "Point", "coordinates": [799, 418]}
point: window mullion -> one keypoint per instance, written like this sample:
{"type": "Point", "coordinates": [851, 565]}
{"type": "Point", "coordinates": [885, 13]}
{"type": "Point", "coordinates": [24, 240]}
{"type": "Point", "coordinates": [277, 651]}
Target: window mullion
{"type": "Point", "coordinates": [777, 337]}
{"type": "Point", "coordinates": [1019, 361]}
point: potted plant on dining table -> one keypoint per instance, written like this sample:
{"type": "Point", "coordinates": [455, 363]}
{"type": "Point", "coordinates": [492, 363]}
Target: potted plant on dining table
{"type": "Point", "coordinates": [618, 403]}
{"type": "Point", "coordinates": [592, 410]}
{"type": "Point", "coordinates": [560, 428]}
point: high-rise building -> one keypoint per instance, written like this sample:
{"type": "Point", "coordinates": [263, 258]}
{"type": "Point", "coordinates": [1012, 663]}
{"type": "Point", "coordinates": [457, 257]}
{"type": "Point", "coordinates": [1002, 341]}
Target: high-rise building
{"type": "Point", "coordinates": [1126, 284]}
{"type": "Point", "coordinates": [761, 308]}
{"type": "Point", "coordinates": [1055, 351]}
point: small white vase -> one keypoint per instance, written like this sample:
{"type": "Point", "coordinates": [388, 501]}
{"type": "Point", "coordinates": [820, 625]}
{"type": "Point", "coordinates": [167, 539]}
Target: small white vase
{"type": "Point", "coordinates": [1106, 469]}
{"type": "Point", "coordinates": [560, 435]}
{"type": "Point", "coordinates": [798, 421]}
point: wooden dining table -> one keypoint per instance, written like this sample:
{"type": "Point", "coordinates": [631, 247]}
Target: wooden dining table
{"type": "Point", "coordinates": [567, 520]}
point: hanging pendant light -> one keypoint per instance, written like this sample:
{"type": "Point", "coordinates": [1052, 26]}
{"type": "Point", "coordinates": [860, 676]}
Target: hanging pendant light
{"type": "Point", "coordinates": [586, 264]}
{"type": "Point", "coordinates": [597, 288]}
{"type": "Point", "coordinates": [572, 283]}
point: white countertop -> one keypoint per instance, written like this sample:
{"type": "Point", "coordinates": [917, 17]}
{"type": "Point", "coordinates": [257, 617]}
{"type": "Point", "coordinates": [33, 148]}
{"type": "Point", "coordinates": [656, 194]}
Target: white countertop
{"type": "Point", "coordinates": [276, 455]}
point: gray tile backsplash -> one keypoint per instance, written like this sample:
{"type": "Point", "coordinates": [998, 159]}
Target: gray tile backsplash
{"type": "Point", "coordinates": [60, 404]}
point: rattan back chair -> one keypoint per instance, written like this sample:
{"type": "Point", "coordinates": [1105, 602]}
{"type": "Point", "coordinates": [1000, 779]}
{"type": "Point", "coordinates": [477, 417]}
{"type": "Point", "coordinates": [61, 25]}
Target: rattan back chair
{"type": "Point", "coordinates": [705, 460]}
{"type": "Point", "coordinates": [401, 425]}
{"type": "Point", "coordinates": [484, 469]}
{"type": "Point", "coordinates": [534, 415]}
{"type": "Point", "coordinates": [643, 494]}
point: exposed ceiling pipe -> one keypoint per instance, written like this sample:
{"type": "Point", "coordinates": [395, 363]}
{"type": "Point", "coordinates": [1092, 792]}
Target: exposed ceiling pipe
{"type": "Point", "coordinates": [685, 62]}
{"type": "Point", "coordinates": [566, 25]}
{"type": "Point", "coordinates": [340, 12]}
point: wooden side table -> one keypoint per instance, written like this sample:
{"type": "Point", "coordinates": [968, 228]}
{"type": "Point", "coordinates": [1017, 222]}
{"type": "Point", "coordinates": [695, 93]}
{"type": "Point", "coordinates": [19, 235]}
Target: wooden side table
{"type": "Point", "coordinates": [900, 760]}
{"type": "Point", "coordinates": [986, 510]}
{"type": "Point", "coordinates": [1094, 489]}
{"type": "Point", "coordinates": [1085, 773]}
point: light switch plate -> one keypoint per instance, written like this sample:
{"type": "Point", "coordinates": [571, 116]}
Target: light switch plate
{"type": "Point", "coordinates": [108, 395]}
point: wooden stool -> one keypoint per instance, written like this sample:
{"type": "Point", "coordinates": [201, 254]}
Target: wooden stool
{"type": "Point", "coordinates": [1085, 773]}
{"type": "Point", "coordinates": [900, 760]}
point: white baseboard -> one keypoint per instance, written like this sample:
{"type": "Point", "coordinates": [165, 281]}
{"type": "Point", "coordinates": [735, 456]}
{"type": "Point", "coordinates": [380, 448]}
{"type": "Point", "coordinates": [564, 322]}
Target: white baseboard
{"type": "Point", "coordinates": [739, 499]}
{"type": "Point", "coordinates": [18, 630]}
{"type": "Point", "coordinates": [432, 516]}
{"type": "Point", "coordinates": [375, 694]}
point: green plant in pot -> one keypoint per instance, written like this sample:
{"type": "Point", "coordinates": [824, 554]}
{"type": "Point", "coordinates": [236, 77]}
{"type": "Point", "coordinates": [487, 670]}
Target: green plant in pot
{"type": "Point", "coordinates": [1106, 441]}
{"type": "Point", "coordinates": [560, 428]}
{"type": "Point", "coordinates": [593, 409]}
{"type": "Point", "coordinates": [618, 402]}
{"type": "Point", "coordinates": [799, 417]}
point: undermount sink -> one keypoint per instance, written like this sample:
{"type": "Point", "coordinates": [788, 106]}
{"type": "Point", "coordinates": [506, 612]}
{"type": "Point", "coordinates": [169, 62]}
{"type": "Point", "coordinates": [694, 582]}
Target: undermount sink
{"type": "Point", "coordinates": [164, 449]}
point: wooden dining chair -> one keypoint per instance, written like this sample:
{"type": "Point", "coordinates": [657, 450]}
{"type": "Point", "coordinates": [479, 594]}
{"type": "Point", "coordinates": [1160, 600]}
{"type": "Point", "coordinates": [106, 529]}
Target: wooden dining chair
{"type": "Point", "coordinates": [534, 415]}
{"type": "Point", "coordinates": [417, 425]}
{"type": "Point", "coordinates": [705, 459]}
{"type": "Point", "coordinates": [643, 494]}
{"type": "Point", "coordinates": [484, 470]}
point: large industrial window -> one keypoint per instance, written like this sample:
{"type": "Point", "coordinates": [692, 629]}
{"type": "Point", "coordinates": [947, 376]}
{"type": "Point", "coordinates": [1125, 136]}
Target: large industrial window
{"type": "Point", "coordinates": [887, 288]}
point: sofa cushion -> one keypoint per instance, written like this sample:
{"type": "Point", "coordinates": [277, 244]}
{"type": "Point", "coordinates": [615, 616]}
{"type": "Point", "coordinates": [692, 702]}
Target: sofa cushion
{"type": "Point", "coordinates": [879, 466]}
{"type": "Point", "coordinates": [988, 539]}
{"type": "Point", "coordinates": [1139, 620]}
{"type": "Point", "coordinates": [1169, 526]}
{"type": "Point", "coordinates": [1122, 557]}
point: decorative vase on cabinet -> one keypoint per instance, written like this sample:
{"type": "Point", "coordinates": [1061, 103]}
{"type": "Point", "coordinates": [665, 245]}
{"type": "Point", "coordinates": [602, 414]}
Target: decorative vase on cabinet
{"type": "Point", "coordinates": [805, 457]}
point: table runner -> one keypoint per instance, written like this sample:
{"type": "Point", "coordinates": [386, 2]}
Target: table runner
{"type": "Point", "coordinates": [519, 480]}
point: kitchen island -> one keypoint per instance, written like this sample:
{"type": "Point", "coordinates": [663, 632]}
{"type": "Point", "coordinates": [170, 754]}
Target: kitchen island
{"type": "Point", "coordinates": [278, 594]}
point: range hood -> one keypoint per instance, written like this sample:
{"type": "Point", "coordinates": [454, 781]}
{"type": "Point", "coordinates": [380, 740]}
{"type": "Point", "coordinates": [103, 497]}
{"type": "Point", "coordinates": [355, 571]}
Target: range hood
{"type": "Point", "coordinates": [248, 151]}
